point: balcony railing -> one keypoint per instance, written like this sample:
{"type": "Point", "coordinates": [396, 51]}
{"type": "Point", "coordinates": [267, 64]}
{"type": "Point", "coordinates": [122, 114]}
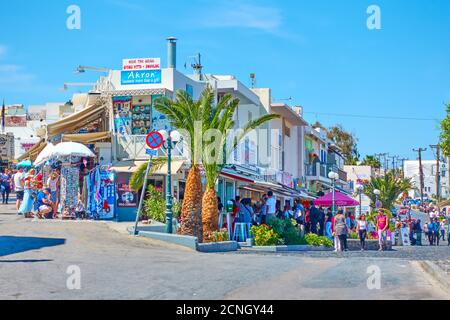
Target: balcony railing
{"type": "Point", "coordinates": [133, 147]}
{"type": "Point", "coordinates": [321, 170]}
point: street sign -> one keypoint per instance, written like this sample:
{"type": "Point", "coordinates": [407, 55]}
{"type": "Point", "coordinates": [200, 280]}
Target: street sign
{"type": "Point", "coordinates": [154, 140]}
{"type": "Point", "coordinates": [378, 204]}
{"type": "Point", "coordinates": [151, 152]}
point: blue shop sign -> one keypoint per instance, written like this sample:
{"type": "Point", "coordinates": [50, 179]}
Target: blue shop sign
{"type": "Point", "coordinates": [141, 77]}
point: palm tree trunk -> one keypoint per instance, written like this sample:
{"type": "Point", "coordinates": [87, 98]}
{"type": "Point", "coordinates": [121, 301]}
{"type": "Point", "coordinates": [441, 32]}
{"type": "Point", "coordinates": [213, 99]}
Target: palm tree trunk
{"type": "Point", "coordinates": [209, 213]}
{"type": "Point", "coordinates": [191, 212]}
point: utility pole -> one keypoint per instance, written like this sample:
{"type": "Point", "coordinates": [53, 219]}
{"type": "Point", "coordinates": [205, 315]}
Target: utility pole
{"type": "Point", "coordinates": [380, 155]}
{"type": "Point", "coordinates": [393, 165]}
{"type": "Point", "coordinates": [403, 166]}
{"type": "Point", "coordinates": [420, 150]}
{"type": "Point", "coordinates": [438, 173]}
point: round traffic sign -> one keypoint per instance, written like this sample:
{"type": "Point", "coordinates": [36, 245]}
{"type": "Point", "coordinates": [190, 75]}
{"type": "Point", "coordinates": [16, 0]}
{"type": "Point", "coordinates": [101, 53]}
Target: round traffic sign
{"type": "Point", "coordinates": [154, 140]}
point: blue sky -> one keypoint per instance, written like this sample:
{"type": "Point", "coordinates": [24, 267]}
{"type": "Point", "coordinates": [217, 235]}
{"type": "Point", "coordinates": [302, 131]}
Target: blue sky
{"type": "Point", "coordinates": [318, 52]}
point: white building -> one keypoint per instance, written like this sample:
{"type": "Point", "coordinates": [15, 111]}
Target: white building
{"type": "Point", "coordinates": [411, 170]}
{"type": "Point", "coordinates": [359, 175]}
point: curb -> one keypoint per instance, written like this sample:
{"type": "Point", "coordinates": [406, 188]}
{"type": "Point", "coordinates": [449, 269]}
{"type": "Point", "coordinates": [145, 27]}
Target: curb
{"type": "Point", "coordinates": [437, 274]}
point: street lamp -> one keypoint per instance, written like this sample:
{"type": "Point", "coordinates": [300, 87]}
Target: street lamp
{"type": "Point", "coordinates": [171, 138]}
{"type": "Point", "coordinates": [333, 176]}
{"type": "Point", "coordinates": [360, 189]}
{"type": "Point", "coordinates": [377, 194]}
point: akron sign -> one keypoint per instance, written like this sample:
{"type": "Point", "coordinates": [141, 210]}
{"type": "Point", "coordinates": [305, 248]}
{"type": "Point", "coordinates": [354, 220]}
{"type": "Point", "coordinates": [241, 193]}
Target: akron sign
{"type": "Point", "coordinates": [141, 71]}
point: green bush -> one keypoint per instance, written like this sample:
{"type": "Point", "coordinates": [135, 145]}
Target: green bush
{"type": "Point", "coordinates": [219, 236]}
{"type": "Point", "coordinates": [265, 236]}
{"type": "Point", "coordinates": [154, 205]}
{"type": "Point", "coordinates": [287, 230]}
{"type": "Point", "coordinates": [315, 240]}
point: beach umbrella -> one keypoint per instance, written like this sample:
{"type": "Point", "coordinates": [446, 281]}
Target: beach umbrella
{"type": "Point", "coordinates": [24, 164]}
{"type": "Point", "coordinates": [71, 149]}
{"type": "Point", "coordinates": [44, 155]}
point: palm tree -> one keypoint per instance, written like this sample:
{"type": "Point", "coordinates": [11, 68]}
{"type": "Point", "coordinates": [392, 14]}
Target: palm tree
{"type": "Point", "coordinates": [390, 186]}
{"type": "Point", "coordinates": [137, 178]}
{"type": "Point", "coordinates": [184, 113]}
{"type": "Point", "coordinates": [371, 161]}
{"type": "Point", "coordinates": [218, 121]}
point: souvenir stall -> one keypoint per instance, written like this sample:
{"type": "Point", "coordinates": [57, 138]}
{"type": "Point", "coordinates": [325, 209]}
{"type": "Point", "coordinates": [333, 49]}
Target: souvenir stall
{"type": "Point", "coordinates": [101, 193]}
{"type": "Point", "coordinates": [71, 160]}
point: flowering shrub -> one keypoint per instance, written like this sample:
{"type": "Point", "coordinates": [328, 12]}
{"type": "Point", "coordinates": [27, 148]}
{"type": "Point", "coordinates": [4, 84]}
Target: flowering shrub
{"type": "Point", "coordinates": [219, 236]}
{"type": "Point", "coordinates": [265, 236]}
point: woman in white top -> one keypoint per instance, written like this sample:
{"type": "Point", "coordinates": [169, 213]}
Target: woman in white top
{"type": "Point", "coordinates": [361, 229]}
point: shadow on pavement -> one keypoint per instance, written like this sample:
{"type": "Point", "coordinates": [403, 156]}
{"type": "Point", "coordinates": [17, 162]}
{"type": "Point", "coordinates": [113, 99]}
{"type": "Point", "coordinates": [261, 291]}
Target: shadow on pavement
{"type": "Point", "coordinates": [11, 245]}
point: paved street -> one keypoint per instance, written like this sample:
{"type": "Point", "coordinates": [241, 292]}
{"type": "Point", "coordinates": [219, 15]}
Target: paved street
{"type": "Point", "coordinates": [35, 255]}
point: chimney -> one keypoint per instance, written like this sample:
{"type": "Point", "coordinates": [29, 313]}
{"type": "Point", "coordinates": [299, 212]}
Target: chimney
{"type": "Point", "coordinates": [172, 52]}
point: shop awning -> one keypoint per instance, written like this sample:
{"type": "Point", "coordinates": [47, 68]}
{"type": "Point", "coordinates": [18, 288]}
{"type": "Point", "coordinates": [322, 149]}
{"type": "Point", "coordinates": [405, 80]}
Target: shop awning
{"type": "Point", "coordinates": [175, 167]}
{"type": "Point", "coordinates": [77, 120]}
{"type": "Point", "coordinates": [127, 166]}
{"type": "Point", "coordinates": [236, 176]}
{"type": "Point", "coordinates": [86, 137]}
{"type": "Point", "coordinates": [34, 151]}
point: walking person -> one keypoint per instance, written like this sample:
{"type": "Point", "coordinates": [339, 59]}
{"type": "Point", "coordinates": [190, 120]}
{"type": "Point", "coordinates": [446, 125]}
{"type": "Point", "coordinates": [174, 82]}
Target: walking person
{"type": "Point", "coordinates": [321, 222]}
{"type": "Point", "coordinates": [442, 229]}
{"type": "Point", "coordinates": [361, 229]}
{"type": "Point", "coordinates": [436, 231]}
{"type": "Point", "coordinates": [430, 232]}
{"type": "Point", "coordinates": [382, 225]}
{"type": "Point", "coordinates": [18, 179]}
{"type": "Point", "coordinates": [26, 207]}
{"type": "Point", "coordinates": [341, 229]}
{"type": "Point", "coordinates": [271, 206]}
{"type": "Point", "coordinates": [314, 215]}
{"type": "Point", "coordinates": [5, 185]}
{"type": "Point", "coordinates": [263, 210]}
{"type": "Point", "coordinates": [418, 232]}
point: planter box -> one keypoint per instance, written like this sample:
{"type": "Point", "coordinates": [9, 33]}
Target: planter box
{"type": "Point", "coordinates": [289, 248]}
{"type": "Point", "coordinates": [354, 245]}
{"type": "Point", "coordinates": [225, 246]}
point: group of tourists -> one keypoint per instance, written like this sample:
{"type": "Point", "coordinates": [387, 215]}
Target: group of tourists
{"type": "Point", "coordinates": [35, 198]}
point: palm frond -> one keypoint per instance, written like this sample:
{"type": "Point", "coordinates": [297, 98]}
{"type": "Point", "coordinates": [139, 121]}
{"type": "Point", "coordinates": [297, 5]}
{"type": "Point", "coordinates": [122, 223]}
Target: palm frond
{"type": "Point", "coordinates": [138, 176]}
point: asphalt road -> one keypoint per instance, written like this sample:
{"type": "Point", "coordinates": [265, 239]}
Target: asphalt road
{"type": "Point", "coordinates": [35, 257]}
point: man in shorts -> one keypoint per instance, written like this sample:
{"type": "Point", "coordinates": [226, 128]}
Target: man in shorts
{"type": "Point", "coordinates": [18, 186]}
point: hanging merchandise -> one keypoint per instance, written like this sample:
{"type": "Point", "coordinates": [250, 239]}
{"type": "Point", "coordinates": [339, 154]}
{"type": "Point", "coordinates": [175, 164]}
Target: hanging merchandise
{"type": "Point", "coordinates": [101, 200]}
{"type": "Point", "coordinates": [69, 187]}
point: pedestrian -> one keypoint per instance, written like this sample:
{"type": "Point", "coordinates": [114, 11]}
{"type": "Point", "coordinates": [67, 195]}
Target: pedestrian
{"type": "Point", "coordinates": [418, 232]}
{"type": "Point", "coordinates": [263, 210]}
{"type": "Point", "coordinates": [53, 183]}
{"type": "Point", "coordinates": [26, 207]}
{"type": "Point", "coordinates": [436, 231]}
{"type": "Point", "coordinates": [18, 179]}
{"type": "Point", "coordinates": [271, 204]}
{"type": "Point", "coordinates": [361, 229]}
{"type": "Point", "coordinates": [341, 229]}
{"type": "Point", "coordinates": [321, 222]}
{"type": "Point", "coordinates": [328, 226]}
{"type": "Point", "coordinates": [5, 185]}
{"type": "Point", "coordinates": [314, 216]}
{"type": "Point", "coordinates": [426, 231]}
{"type": "Point", "coordinates": [382, 225]}
{"type": "Point", "coordinates": [442, 229]}
{"type": "Point", "coordinates": [430, 233]}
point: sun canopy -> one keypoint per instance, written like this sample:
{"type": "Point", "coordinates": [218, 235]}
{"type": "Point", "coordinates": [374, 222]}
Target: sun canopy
{"type": "Point", "coordinates": [340, 200]}
{"type": "Point", "coordinates": [44, 155]}
{"type": "Point", "coordinates": [86, 137]}
{"type": "Point", "coordinates": [24, 164]}
{"type": "Point", "coordinates": [71, 149]}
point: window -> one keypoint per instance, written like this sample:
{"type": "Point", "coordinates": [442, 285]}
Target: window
{"type": "Point", "coordinates": [190, 90]}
